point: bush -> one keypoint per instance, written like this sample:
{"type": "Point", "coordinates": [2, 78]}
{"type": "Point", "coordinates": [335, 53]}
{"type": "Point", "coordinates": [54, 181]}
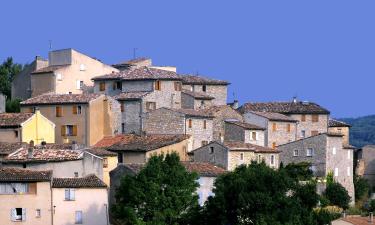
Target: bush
{"type": "Point", "coordinates": [13, 106]}
{"type": "Point", "coordinates": [361, 188]}
{"type": "Point", "coordinates": [324, 216]}
{"type": "Point", "coordinates": [371, 205]}
{"type": "Point", "coordinates": [323, 201]}
{"type": "Point", "coordinates": [337, 195]}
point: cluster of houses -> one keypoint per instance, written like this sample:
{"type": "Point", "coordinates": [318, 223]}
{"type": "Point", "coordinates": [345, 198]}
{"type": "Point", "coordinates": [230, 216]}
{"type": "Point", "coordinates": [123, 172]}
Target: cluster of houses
{"type": "Point", "coordinates": [84, 124]}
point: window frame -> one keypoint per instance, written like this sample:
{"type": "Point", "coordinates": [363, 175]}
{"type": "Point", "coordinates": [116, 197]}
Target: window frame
{"type": "Point", "coordinates": [76, 220]}
{"type": "Point", "coordinates": [294, 153]}
{"type": "Point", "coordinates": [102, 86]}
{"type": "Point", "coordinates": [157, 85]}
{"type": "Point", "coordinates": [69, 194]}
{"type": "Point", "coordinates": [308, 151]}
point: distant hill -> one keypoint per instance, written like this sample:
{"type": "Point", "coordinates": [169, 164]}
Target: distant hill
{"type": "Point", "coordinates": [362, 131]}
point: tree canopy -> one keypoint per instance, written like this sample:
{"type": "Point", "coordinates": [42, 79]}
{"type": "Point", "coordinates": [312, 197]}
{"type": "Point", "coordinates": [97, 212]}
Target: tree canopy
{"type": "Point", "coordinates": [8, 69]}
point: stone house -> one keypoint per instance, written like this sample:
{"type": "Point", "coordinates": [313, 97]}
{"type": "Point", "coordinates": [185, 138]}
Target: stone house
{"type": "Point", "coordinates": [326, 153]}
{"type": "Point", "coordinates": [63, 160]}
{"type": "Point", "coordinates": [140, 90]}
{"type": "Point", "coordinates": [132, 148]}
{"type": "Point", "coordinates": [217, 89]}
{"type": "Point", "coordinates": [312, 118]}
{"type": "Point", "coordinates": [195, 100]}
{"type": "Point", "coordinates": [82, 200]}
{"type": "Point", "coordinates": [2, 102]}
{"type": "Point", "coordinates": [336, 126]}
{"type": "Point", "coordinates": [81, 118]}
{"type": "Point", "coordinates": [24, 127]}
{"type": "Point", "coordinates": [141, 62]}
{"type": "Point", "coordinates": [197, 124]}
{"type": "Point", "coordinates": [367, 163]}
{"type": "Point", "coordinates": [109, 160]}
{"type": "Point", "coordinates": [244, 132]}
{"type": "Point", "coordinates": [221, 114]}
{"type": "Point", "coordinates": [231, 154]}
{"type": "Point", "coordinates": [279, 129]}
{"type": "Point", "coordinates": [25, 196]}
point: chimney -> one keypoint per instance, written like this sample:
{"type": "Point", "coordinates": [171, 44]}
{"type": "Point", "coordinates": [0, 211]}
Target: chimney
{"type": "Point", "coordinates": [30, 150]}
{"type": "Point", "coordinates": [43, 143]}
{"type": "Point", "coordinates": [295, 99]}
{"type": "Point", "coordinates": [74, 145]}
{"type": "Point", "coordinates": [235, 104]}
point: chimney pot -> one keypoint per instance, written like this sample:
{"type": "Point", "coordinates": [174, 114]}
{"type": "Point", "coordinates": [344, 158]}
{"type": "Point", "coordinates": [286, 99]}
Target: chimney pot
{"type": "Point", "coordinates": [30, 152]}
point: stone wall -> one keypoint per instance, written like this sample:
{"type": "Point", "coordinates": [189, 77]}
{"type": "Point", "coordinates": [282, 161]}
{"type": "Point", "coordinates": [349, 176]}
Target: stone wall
{"type": "Point", "coordinates": [218, 157]}
{"type": "Point", "coordinates": [219, 92]}
{"type": "Point", "coordinates": [341, 130]}
{"type": "Point", "coordinates": [309, 126]}
{"type": "Point", "coordinates": [187, 101]}
{"type": "Point", "coordinates": [220, 116]}
{"type": "Point", "coordinates": [131, 117]}
{"type": "Point", "coordinates": [234, 133]}
{"type": "Point", "coordinates": [164, 121]}
{"type": "Point", "coordinates": [368, 158]}
{"type": "Point", "coordinates": [2, 103]}
{"type": "Point", "coordinates": [281, 135]}
{"type": "Point", "coordinates": [259, 137]}
{"type": "Point", "coordinates": [198, 132]}
{"type": "Point", "coordinates": [166, 97]}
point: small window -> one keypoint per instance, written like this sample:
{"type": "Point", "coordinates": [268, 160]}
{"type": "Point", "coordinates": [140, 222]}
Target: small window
{"type": "Point", "coordinates": [82, 67]}
{"type": "Point", "coordinates": [119, 85]}
{"type": "Point", "coordinates": [158, 85]}
{"type": "Point", "coordinates": [303, 133]}
{"type": "Point", "coordinates": [314, 132]}
{"type": "Point", "coordinates": [241, 156]}
{"type": "Point", "coordinates": [190, 123]}
{"type": "Point", "coordinates": [77, 109]}
{"type": "Point", "coordinates": [315, 118]}
{"type": "Point", "coordinates": [303, 118]}
{"type": "Point", "coordinates": [212, 150]}
{"type": "Point", "coordinates": [336, 172]}
{"type": "Point", "coordinates": [254, 136]}
{"type": "Point", "coordinates": [310, 152]}
{"type": "Point", "coordinates": [272, 160]}
{"type": "Point", "coordinates": [177, 86]}
{"type": "Point", "coordinates": [122, 106]}
{"type": "Point", "coordinates": [78, 217]}
{"type": "Point", "coordinates": [70, 194]}
{"type": "Point", "coordinates": [79, 84]}
{"type": "Point", "coordinates": [260, 158]}
{"type": "Point", "coordinates": [288, 127]}
{"type": "Point", "coordinates": [204, 88]}
{"type": "Point", "coordinates": [122, 127]}
{"type": "Point", "coordinates": [204, 124]}
{"type": "Point", "coordinates": [274, 127]}
{"type": "Point", "coordinates": [58, 111]}
{"type": "Point", "coordinates": [150, 106]}
{"type": "Point", "coordinates": [38, 213]}
{"type": "Point", "coordinates": [334, 150]}
{"type": "Point", "coordinates": [295, 153]}
{"type": "Point", "coordinates": [59, 76]}
{"type": "Point", "coordinates": [69, 130]}
{"type": "Point", "coordinates": [204, 143]}
{"type": "Point", "coordinates": [18, 214]}
{"type": "Point", "coordinates": [16, 133]}
{"type": "Point", "coordinates": [75, 174]}
{"type": "Point", "coordinates": [105, 162]}
{"type": "Point", "coordinates": [102, 86]}
{"type": "Point", "coordinates": [119, 158]}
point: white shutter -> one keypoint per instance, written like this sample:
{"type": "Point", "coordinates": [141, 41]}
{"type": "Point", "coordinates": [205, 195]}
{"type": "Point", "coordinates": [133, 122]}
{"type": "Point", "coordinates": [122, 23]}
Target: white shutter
{"type": "Point", "coordinates": [72, 194]}
{"type": "Point", "coordinates": [256, 136]}
{"type": "Point", "coordinates": [67, 194]}
{"type": "Point", "coordinates": [336, 172]}
{"type": "Point", "coordinates": [23, 214]}
{"type": "Point", "coordinates": [13, 214]}
{"type": "Point", "coordinates": [78, 84]}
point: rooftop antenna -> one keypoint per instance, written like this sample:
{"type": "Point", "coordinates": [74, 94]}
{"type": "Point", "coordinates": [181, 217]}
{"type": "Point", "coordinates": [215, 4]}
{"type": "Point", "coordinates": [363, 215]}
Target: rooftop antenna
{"type": "Point", "coordinates": [295, 98]}
{"type": "Point", "coordinates": [50, 44]}
{"type": "Point", "coordinates": [234, 95]}
{"type": "Point", "coordinates": [135, 52]}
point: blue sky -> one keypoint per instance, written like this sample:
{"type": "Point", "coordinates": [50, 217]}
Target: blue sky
{"type": "Point", "coordinates": [321, 51]}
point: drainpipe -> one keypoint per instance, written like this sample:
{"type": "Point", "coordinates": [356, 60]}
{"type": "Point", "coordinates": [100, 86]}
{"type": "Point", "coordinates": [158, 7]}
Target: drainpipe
{"type": "Point", "coordinates": [52, 206]}
{"type": "Point", "coordinates": [86, 125]}
{"type": "Point", "coordinates": [106, 214]}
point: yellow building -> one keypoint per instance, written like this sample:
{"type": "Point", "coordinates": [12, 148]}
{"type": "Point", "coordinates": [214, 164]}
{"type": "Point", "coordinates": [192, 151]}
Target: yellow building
{"type": "Point", "coordinates": [24, 127]}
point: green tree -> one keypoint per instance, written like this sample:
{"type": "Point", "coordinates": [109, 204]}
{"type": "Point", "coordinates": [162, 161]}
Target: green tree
{"type": "Point", "coordinates": [361, 188]}
{"type": "Point", "coordinates": [298, 171]}
{"type": "Point", "coordinates": [162, 193]}
{"type": "Point", "coordinates": [8, 69]}
{"type": "Point", "coordinates": [337, 195]}
{"type": "Point", "coordinates": [13, 105]}
{"type": "Point", "coordinates": [257, 194]}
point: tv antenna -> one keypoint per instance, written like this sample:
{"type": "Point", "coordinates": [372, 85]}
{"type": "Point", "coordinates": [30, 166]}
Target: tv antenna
{"type": "Point", "coordinates": [135, 52]}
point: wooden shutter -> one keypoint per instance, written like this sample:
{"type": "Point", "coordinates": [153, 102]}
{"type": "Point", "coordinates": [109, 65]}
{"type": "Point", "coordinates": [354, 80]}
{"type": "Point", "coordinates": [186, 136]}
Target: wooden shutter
{"type": "Point", "coordinates": [58, 111]}
{"type": "Point", "coordinates": [274, 127]}
{"type": "Point", "coordinates": [67, 195]}
{"type": "Point", "coordinates": [122, 107]}
{"type": "Point", "coordinates": [303, 118]}
{"type": "Point", "coordinates": [13, 214]}
{"type": "Point", "coordinates": [102, 86]}
{"type": "Point", "coordinates": [63, 130]}
{"type": "Point", "coordinates": [74, 130]}
{"type": "Point", "coordinates": [274, 145]}
{"type": "Point", "coordinates": [204, 124]}
{"type": "Point", "coordinates": [314, 133]}
{"type": "Point", "coordinates": [288, 127]}
{"type": "Point", "coordinates": [32, 188]}
{"type": "Point", "coordinates": [158, 85]}
{"type": "Point", "coordinates": [23, 214]}
{"type": "Point", "coordinates": [72, 194]}
{"type": "Point", "coordinates": [190, 123]}
{"type": "Point", "coordinates": [74, 109]}
{"type": "Point", "coordinates": [315, 118]}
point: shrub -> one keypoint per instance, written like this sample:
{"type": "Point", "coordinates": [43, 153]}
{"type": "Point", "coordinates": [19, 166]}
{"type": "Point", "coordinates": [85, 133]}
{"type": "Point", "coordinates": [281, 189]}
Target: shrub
{"type": "Point", "coordinates": [337, 195]}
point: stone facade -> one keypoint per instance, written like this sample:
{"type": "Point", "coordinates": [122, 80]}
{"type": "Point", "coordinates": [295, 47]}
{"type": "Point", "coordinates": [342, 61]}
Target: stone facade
{"type": "Point", "coordinates": [189, 102]}
{"type": "Point", "coordinates": [368, 159]}
{"type": "Point", "coordinates": [131, 117]}
{"type": "Point", "coordinates": [309, 127]}
{"type": "Point", "coordinates": [234, 132]}
{"type": "Point", "coordinates": [328, 155]}
{"type": "Point", "coordinates": [2, 103]}
{"type": "Point", "coordinates": [341, 130]}
{"type": "Point", "coordinates": [218, 92]}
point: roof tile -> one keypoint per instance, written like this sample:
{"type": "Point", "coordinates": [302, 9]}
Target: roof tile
{"type": "Point", "coordinates": [50, 99]}
{"type": "Point", "coordinates": [89, 181]}
{"type": "Point", "coordinates": [285, 107]}
{"type": "Point", "coordinates": [18, 174]}
{"type": "Point", "coordinates": [13, 119]}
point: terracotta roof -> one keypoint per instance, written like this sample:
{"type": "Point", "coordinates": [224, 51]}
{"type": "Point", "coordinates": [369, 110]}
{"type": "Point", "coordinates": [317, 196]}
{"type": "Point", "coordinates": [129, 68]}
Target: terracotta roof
{"type": "Point", "coordinates": [337, 123]}
{"type": "Point", "coordinates": [49, 69]}
{"type": "Point", "coordinates": [192, 113]}
{"type": "Point", "coordinates": [44, 155]}
{"type": "Point", "coordinates": [195, 79]}
{"type": "Point", "coordinates": [274, 116]}
{"type": "Point", "coordinates": [52, 99]}
{"type": "Point", "coordinates": [109, 141]}
{"type": "Point", "coordinates": [146, 143]}
{"type": "Point", "coordinates": [241, 146]}
{"type": "Point", "coordinates": [13, 119]}
{"type": "Point", "coordinates": [89, 181]}
{"type": "Point", "coordinates": [100, 152]}
{"type": "Point", "coordinates": [247, 126]}
{"type": "Point", "coordinates": [204, 169]}
{"type": "Point", "coordinates": [285, 107]}
{"type": "Point", "coordinates": [197, 95]}
{"type": "Point", "coordinates": [7, 148]}
{"type": "Point", "coordinates": [141, 73]}
{"type": "Point", "coordinates": [17, 174]}
{"type": "Point", "coordinates": [131, 95]}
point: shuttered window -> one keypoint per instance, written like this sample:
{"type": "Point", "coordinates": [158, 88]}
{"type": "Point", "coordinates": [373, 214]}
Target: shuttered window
{"type": "Point", "coordinates": [18, 214]}
{"type": "Point", "coordinates": [70, 194]}
{"type": "Point", "coordinates": [315, 118]}
{"type": "Point", "coordinates": [122, 107]}
{"type": "Point", "coordinates": [314, 132]}
{"type": "Point", "coordinates": [303, 118]}
{"type": "Point", "coordinates": [254, 136]}
{"type": "Point", "coordinates": [177, 86]}
{"type": "Point", "coordinates": [75, 109]}
{"type": "Point", "coordinates": [274, 126]}
{"type": "Point", "coordinates": [58, 111]}
{"type": "Point", "coordinates": [63, 130]}
{"type": "Point", "coordinates": [78, 217]}
{"type": "Point", "coordinates": [150, 106]}
{"type": "Point", "coordinates": [190, 121]}
{"type": "Point", "coordinates": [273, 145]}
{"type": "Point", "coordinates": [69, 130]}
{"type": "Point", "coordinates": [158, 85]}
{"type": "Point", "coordinates": [102, 86]}
{"type": "Point", "coordinates": [204, 124]}
{"type": "Point", "coordinates": [288, 127]}
{"type": "Point", "coordinates": [74, 130]}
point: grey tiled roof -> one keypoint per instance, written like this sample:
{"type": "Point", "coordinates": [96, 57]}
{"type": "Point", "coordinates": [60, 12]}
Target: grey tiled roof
{"type": "Point", "coordinates": [13, 119]}
{"type": "Point", "coordinates": [131, 95]}
{"type": "Point", "coordinates": [247, 126]}
{"type": "Point", "coordinates": [141, 73]}
{"type": "Point", "coordinates": [285, 107]}
{"type": "Point", "coordinates": [89, 181]}
{"type": "Point", "coordinates": [198, 95]}
{"type": "Point", "coordinates": [193, 113]}
{"type": "Point", "coordinates": [44, 155]}
{"type": "Point", "coordinates": [203, 169]}
{"type": "Point", "coordinates": [196, 79]}
{"type": "Point", "coordinates": [51, 99]}
{"type": "Point", "coordinates": [274, 116]}
{"type": "Point", "coordinates": [17, 174]}
{"type": "Point", "coordinates": [337, 123]}
{"type": "Point", "coordinates": [241, 146]}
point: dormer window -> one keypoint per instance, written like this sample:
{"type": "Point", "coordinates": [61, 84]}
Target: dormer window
{"type": "Point", "coordinates": [82, 67]}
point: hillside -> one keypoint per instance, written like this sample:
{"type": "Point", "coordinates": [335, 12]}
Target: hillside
{"type": "Point", "coordinates": [362, 131]}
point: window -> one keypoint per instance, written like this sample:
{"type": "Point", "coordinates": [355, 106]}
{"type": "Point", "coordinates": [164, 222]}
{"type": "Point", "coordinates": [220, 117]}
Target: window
{"type": "Point", "coordinates": [190, 121]}
{"type": "Point", "coordinates": [16, 133]}
{"type": "Point", "coordinates": [79, 84]}
{"type": "Point", "coordinates": [119, 85]}
{"type": "Point", "coordinates": [177, 86]}
{"type": "Point", "coordinates": [78, 217]}
{"type": "Point", "coordinates": [69, 130]}
{"type": "Point", "coordinates": [303, 133]}
{"type": "Point", "coordinates": [204, 143]}
{"type": "Point", "coordinates": [348, 171]}
{"type": "Point", "coordinates": [18, 214]}
{"type": "Point", "coordinates": [254, 136]}
{"type": "Point", "coordinates": [59, 76]}
{"type": "Point", "coordinates": [119, 158]}
{"type": "Point", "coordinates": [273, 145]}
{"type": "Point", "coordinates": [38, 213]}
{"type": "Point", "coordinates": [77, 109]}
{"type": "Point", "coordinates": [336, 172]}
{"type": "Point", "coordinates": [274, 127]}
{"type": "Point", "coordinates": [122, 107]}
{"type": "Point", "coordinates": [241, 156]}
{"type": "Point", "coordinates": [204, 124]}
{"type": "Point", "coordinates": [212, 150]}
{"type": "Point", "coordinates": [204, 88]}
{"type": "Point", "coordinates": [150, 106]}
{"type": "Point", "coordinates": [315, 118]}
{"type": "Point", "coordinates": [295, 153]}
{"type": "Point", "coordinates": [105, 162]}
{"type": "Point", "coordinates": [314, 132]}
{"type": "Point", "coordinates": [303, 118]}
{"type": "Point", "coordinates": [288, 127]}
{"type": "Point", "coordinates": [260, 158]}
{"type": "Point", "coordinates": [309, 152]}
{"type": "Point", "coordinates": [158, 85]}
{"type": "Point", "coordinates": [70, 194]}
{"type": "Point", "coordinates": [75, 174]}
{"type": "Point", "coordinates": [102, 86]}
{"type": "Point", "coordinates": [334, 150]}
{"type": "Point", "coordinates": [14, 188]}
{"type": "Point", "coordinates": [82, 67]}
{"type": "Point", "coordinates": [31, 110]}
{"type": "Point", "coordinates": [272, 160]}
{"type": "Point", "coordinates": [122, 127]}
{"type": "Point", "coordinates": [58, 111]}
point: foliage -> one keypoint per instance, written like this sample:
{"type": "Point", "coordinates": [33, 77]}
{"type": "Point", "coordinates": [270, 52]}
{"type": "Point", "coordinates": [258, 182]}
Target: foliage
{"type": "Point", "coordinates": [257, 194]}
{"type": "Point", "coordinates": [354, 211]}
{"type": "Point", "coordinates": [324, 202]}
{"type": "Point", "coordinates": [362, 131]}
{"type": "Point", "coordinates": [8, 70]}
{"type": "Point", "coordinates": [337, 195]}
{"type": "Point", "coordinates": [361, 188]}
{"type": "Point", "coordinates": [298, 171]}
{"type": "Point", "coordinates": [324, 216]}
{"type": "Point", "coordinates": [371, 205]}
{"type": "Point", "coordinates": [329, 178]}
{"type": "Point", "coordinates": [162, 193]}
{"type": "Point", "coordinates": [13, 105]}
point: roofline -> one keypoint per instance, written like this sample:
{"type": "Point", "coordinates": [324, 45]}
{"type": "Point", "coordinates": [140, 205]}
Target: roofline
{"type": "Point", "coordinates": [276, 120]}
{"type": "Point", "coordinates": [234, 123]}
{"type": "Point", "coordinates": [327, 134]}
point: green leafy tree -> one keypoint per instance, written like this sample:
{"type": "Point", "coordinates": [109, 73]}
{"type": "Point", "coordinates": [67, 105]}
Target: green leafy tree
{"type": "Point", "coordinates": [162, 193]}
{"type": "Point", "coordinates": [337, 195]}
{"type": "Point", "coordinates": [257, 194]}
{"type": "Point", "coordinates": [361, 188]}
{"type": "Point", "coordinates": [8, 69]}
{"type": "Point", "coordinates": [298, 171]}
{"type": "Point", "coordinates": [13, 105]}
